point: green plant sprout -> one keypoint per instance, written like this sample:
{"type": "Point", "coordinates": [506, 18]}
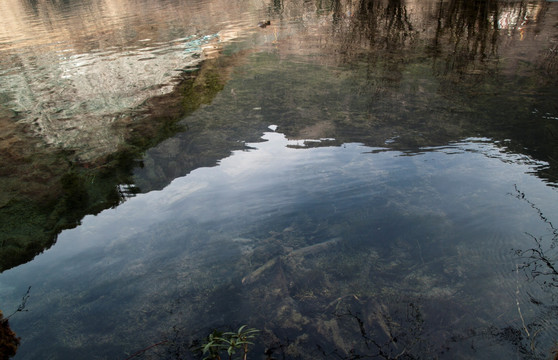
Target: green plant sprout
{"type": "Point", "coordinates": [218, 342]}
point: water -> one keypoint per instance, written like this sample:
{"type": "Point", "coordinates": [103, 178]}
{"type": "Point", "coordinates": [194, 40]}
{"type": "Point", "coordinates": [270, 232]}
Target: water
{"type": "Point", "coordinates": [356, 179]}
{"type": "Point", "coordinates": [409, 229]}
{"type": "Point", "coordinates": [58, 56]}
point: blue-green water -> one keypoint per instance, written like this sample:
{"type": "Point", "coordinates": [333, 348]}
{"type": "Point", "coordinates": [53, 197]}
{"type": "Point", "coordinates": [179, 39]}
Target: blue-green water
{"type": "Point", "coordinates": [352, 190]}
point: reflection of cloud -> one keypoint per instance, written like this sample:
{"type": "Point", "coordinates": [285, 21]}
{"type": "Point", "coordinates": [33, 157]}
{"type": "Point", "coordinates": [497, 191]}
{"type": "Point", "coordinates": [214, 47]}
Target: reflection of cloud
{"type": "Point", "coordinates": [274, 178]}
{"type": "Point", "coordinates": [268, 154]}
{"type": "Point", "coordinates": [155, 240]}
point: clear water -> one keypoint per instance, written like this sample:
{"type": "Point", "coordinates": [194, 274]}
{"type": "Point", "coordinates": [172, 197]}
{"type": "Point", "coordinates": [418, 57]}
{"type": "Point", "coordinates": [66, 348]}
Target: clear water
{"type": "Point", "coordinates": [352, 191]}
{"type": "Point", "coordinates": [417, 229]}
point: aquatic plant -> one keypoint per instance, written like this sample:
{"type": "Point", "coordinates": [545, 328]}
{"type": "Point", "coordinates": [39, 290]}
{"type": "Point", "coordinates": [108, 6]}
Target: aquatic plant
{"type": "Point", "coordinates": [229, 342]}
{"type": "Point", "coordinates": [539, 264]}
{"type": "Point", "coordinates": [539, 261]}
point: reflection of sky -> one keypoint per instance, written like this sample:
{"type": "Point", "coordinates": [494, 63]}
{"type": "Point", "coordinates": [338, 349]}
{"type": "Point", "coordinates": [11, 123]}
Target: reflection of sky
{"type": "Point", "coordinates": [130, 252]}
{"type": "Point", "coordinates": [257, 184]}
{"type": "Point", "coordinates": [248, 183]}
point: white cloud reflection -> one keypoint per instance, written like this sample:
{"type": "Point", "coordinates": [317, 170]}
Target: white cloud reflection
{"type": "Point", "coordinates": [274, 177]}
{"type": "Point", "coordinates": [156, 238]}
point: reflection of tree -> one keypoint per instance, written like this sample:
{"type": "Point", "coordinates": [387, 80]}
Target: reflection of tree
{"type": "Point", "coordinates": [550, 61]}
{"type": "Point", "coordinates": [469, 33]}
{"type": "Point", "coordinates": [460, 32]}
{"type": "Point", "coordinates": [466, 31]}
{"type": "Point", "coordinates": [468, 53]}
{"type": "Point", "coordinates": [375, 25]}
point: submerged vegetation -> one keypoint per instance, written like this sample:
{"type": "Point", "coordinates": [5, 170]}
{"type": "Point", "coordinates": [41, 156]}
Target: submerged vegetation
{"type": "Point", "coordinates": [539, 264]}
{"type": "Point", "coordinates": [365, 297]}
{"type": "Point", "coordinates": [384, 278]}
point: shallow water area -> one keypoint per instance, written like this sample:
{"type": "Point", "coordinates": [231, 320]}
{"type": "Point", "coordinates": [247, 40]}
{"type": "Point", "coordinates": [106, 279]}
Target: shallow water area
{"type": "Point", "coordinates": [362, 179]}
{"type": "Point", "coordinates": [398, 230]}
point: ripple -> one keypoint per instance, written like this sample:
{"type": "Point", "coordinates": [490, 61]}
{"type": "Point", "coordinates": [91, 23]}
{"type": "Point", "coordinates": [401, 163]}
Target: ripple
{"type": "Point", "coordinates": [104, 58]}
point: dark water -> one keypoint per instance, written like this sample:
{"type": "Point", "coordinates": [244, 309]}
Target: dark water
{"type": "Point", "coordinates": [372, 180]}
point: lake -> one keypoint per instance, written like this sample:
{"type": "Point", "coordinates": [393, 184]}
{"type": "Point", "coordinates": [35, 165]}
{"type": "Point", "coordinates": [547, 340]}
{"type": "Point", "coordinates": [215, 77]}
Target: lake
{"type": "Point", "coordinates": [355, 179]}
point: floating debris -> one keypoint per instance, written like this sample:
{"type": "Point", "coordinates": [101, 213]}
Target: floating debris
{"type": "Point", "coordinates": [264, 23]}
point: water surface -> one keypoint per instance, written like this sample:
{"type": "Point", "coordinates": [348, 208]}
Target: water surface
{"type": "Point", "coordinates": [373, 179]}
